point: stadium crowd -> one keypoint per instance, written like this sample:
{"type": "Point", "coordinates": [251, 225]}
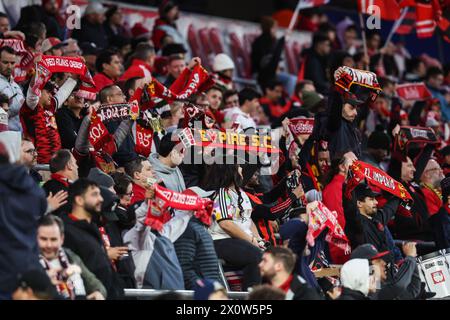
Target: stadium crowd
{"type": "Point", "coordinates": [108, 110]}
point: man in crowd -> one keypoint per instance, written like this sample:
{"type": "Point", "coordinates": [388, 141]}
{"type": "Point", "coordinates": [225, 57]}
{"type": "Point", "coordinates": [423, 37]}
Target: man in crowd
{"type": "Point", "coordinates": [109, 68]}
{"type": "Point", "coordinates": [82, 234]}
{"type": "Point", "coordinates": [69, 118]}
{"type": "Point", "coordinates": [276, 268]}
{"type": "Point", "coordinates": [175, 67]}
{"type": "Point", "coordinates": [92, 29]}
{"type": "Point", "coordinates": [431, 185]}
{"type": "Point", "coordinates": [165, 163]}
{"type": "Point", "coordinates": [64, 170]}
{"type": "Point", "coordinates": [141, 171]}
{"type": "Point", "coordinates": [63, 265]}
{"type": "Point", "coordinates": [8, 87]}
{"type": "Point", "coordinates": [28, 156]}
{"type": "Point", "coordinates": [317, 61]}
{"type": "Point", "coordinates": [240, 116]}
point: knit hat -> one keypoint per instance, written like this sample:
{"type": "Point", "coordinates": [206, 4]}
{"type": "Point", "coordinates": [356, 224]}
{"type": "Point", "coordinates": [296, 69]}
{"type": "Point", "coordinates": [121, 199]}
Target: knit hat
{"type": "Point", "coordinates": [310, 99]}
{"type": "Point", "coordinates": [222, 62]}
{"type": "Point", "coordinates": [166, 145]}
{"type": "Point", "coordinates": [38, 281]}
{"type": "Point", "coordinates": [355, 275]}
{"type": "Point", "coordinates": [172, 49]}
{"type": "Point", "coordinates": [101, 178]}
{"type": "Point", "coordinates": [140, 31]}
{"type": "Point", "coordinates": [379, 140]}
{"type": "Point", "coordinates": [52, 43]}
{"type": "Point", "coordinates": [445, 186]}
{"type": "Point", "coordinates": [205, 287]}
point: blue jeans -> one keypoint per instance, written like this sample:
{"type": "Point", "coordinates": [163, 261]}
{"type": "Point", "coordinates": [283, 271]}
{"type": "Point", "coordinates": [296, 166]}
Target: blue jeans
{"type": "Point", "coordinates": [288, 80]}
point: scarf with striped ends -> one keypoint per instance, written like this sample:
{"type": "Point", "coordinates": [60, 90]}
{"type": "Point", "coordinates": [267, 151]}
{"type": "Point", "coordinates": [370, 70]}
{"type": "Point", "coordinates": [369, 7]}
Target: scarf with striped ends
{"type": "Point", "coordinates": [69, 284]}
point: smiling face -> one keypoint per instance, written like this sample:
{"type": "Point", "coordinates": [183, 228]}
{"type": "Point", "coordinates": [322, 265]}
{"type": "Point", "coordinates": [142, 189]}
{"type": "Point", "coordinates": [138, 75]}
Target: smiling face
{"type": "Point", "coordinates": [50, 240]}
{"type": "Point", "coordinates": [408, 170]}
{"type": "Point", "coordinates": [368, 206]}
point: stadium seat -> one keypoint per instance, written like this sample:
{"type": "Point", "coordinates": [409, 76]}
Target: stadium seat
{"type": "Point", "coordinates": [216, 40]}
{"type": "Point", "coordinates": [240, 57]}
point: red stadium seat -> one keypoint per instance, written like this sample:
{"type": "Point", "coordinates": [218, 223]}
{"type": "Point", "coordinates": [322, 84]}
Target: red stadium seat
{"type": "Point", "coordinates": [194, 43]}
{"type": "Point", "coordinates": [240, 57]}
{"type": "Point", "coordinates": [216, 40]}
{"type": "Point", "coordinates": [207, 48]}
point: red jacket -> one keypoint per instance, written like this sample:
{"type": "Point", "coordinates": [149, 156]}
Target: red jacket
{"type": "Point", "coordinates": [332, 198]}
{"type": "Point", "coordinates": [432, 200]}
{"type": "Point", "coordinates": [138, 194]}
{"type": "Point", "coordinates": [102, 80]}
{"type": "Point", "coordinates": [274, 110]}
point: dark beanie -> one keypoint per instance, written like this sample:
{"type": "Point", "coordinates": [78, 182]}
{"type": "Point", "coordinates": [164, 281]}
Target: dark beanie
{"type": "Point", "coordinates": [166, 145]}
{"type": "Point", "coordinates": [379, 140]}
{"type": "Point", "coordinates": [101, 178]}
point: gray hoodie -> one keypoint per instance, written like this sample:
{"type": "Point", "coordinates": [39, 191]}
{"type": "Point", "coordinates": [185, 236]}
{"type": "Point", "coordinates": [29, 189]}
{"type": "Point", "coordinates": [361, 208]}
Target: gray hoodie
{"type": "Point", "coordinates": [172, 177]}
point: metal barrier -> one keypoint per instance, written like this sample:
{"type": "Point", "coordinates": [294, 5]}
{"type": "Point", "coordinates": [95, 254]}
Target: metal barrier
{"type": "Point", "coordinates": [152, 293]}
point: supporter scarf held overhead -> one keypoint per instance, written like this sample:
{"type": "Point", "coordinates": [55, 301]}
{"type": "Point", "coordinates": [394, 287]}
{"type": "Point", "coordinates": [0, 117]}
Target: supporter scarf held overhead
{"type": "Point", "coordinates": [55, 64]}
{"type": "Point", "coordinates": [319, 218]}
{"type": "Point", "coordinates": [198, 81]}
{"type": "Point", "coordinates": [410, 134]}
{"type": "Point", "coordinates": [376, 178]}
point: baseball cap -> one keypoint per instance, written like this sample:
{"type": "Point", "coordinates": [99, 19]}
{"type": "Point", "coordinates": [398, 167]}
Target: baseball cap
{"type": "Point", "coordinates": [95, 7]}
{"type": "Point", "coordinates": [52, 43]}
{"type": "Point", "coordinates": [363, 190]}
{"type": "Point", "coordinates": [205, 287]}
{"type": "Point", "coordinates": [367, 251]}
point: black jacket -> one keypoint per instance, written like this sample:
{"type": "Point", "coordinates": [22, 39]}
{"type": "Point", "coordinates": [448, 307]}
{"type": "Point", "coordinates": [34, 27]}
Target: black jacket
{"type": "Point", "coordinates": [85, 240]}
{"type": "Point", "coordinates": [91, 33]}
{"type": "Point", "coordinates": [316, 70]}
{"type": "Point", "coordinates": [300, 290]}
{"type": "Point", "coordinates": [349, 294]}
{"type": "Point", "coordinates": [405, 284]}
{"type": "Point", "coordinates": [22, 204]}
{"type": "Point", "coordinates": [54, 186]}
{"type": "Point", "coordinates": [68, 127]}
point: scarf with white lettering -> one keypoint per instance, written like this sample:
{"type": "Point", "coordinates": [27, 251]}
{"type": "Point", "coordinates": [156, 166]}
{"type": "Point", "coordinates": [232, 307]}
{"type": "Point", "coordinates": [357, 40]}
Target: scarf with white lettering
{"type": "Point", "coordinates": [410, 134]}
{"type": "Point", "coordinates": [118, 112]}
{"type": "Point", "coordinates": [55, 64]}
{"type": "Point", "coordinates": [377, 178]}
{"type": "Point", "coordinates": [198, 81]}
{"type": "Point", "coordinates": [354, 84]}
{"type": "Point", "coordinates": [158, 213]}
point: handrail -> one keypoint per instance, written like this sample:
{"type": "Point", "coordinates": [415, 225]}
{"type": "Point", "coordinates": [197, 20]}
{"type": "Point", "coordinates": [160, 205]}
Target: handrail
{"type": "Point", "coordinates": [152, 293]}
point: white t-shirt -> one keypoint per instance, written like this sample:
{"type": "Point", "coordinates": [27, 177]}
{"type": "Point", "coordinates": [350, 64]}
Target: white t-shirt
{"type": "Point", "coordinates": [226, 208]}
{"type": "Point", "coordinates": [237, 115]}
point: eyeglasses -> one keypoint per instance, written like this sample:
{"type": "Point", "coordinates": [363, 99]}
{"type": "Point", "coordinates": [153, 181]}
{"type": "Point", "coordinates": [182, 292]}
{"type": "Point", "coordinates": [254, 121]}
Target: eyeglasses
{"type": "Point", "coordinates": [435, 169]}
{"type": "Point", "coordinates": [31, 151]}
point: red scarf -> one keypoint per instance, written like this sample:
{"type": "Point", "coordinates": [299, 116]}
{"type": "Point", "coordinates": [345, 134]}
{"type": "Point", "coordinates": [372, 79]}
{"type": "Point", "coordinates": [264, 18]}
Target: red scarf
{"type": "Point", "coordinates": [144, 139]}
{"type": "Point", "coordinates": [26, 58]}
{"type": "Point", "coordinates": [301, 126]}
{"type": "Point", "coordinates": [55, 64]}
{"type": "Point", "coordinates": [198, 81]}
{"type": "Point", "coordinates": [320, 217]}
{"type": "Point", "coordinates": [158, 213]}
{"type": "Point", "coordinates": [60, 178]}
{"type": "Point", "coordinates": [103, 143]}
{"type": "Point", "coordinates": [376, 178]}
{"type": "Point", "coordinates": [287, 284]}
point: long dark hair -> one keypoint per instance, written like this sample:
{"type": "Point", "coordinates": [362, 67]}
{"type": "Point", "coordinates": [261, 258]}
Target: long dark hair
{"type": "Point", "coordinates": [220, 176]}
{"type": "Point", "coordinates": [337, 160]}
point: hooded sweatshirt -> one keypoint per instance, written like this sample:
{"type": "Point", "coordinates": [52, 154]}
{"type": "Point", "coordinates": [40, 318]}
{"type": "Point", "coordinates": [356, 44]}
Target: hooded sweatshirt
{"type": "Point", "coordinates": [22, 204]}
{"type": "Point", "coordinates": [172, 177]}
{"type": "Point", "coordinates": [355, 275]}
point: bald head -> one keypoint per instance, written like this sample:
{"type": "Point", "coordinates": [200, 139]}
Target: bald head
{"type": "Point", "coordinates": [433, 174]}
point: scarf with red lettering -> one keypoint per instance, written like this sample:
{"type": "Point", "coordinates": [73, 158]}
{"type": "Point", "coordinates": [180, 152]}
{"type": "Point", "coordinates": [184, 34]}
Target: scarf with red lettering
{"type": "Point", "coordinates": [198, 81]}
{"type": "Point", "coordinates": [54, 64]}
{"type": "Point", "coordinates": [158, 213]}
{"type": "Point", "coordinates": [410, 134]}
{"type": "Point", "coordinates": [319, 218]}
{"type": "Point", "coordinates": [144, 138]}
{"type": "Point", "coordinates": [377, 178]}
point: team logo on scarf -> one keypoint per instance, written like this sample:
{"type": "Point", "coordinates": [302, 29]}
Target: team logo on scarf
{"type": "Point", "coordinates": [301, 126]}
{"type": "Point", "coordinates": [410, 134]}
{"type": "Point", "coordinates": [413, 91]}
{"type": "Point", "coordinates": [319, 218]}
{"type": "Point", "coordinates": [377, 178]}
{"type": "Point", "coordinates": [357, 84]}
{"type": "Point", "coordinates": [158, 213]}
{"type": "Point", "coordinates": [144, 139]}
